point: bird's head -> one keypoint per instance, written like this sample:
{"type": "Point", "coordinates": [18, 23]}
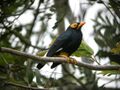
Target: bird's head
{"type": "Point", "coordinates": [77, 26]}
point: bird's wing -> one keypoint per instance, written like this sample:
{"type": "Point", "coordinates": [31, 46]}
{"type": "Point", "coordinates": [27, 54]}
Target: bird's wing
{"type": "Point", "coordinates": [58, 44]}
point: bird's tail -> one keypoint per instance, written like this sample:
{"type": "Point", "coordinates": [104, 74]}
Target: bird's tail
{"type": "Point", "coordinates": [54, 65]}
{"type": "Point", "coordinates": [41, 54]}
{"type": "Point", "coordinates": [40, 65]}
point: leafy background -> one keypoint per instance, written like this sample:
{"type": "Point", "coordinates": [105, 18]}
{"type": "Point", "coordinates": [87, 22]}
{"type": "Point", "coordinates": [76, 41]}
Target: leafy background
{"type": "Point", "coordinates": [18, 73]}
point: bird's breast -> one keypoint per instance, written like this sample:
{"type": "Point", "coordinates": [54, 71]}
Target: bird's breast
{"type": "Point", "coordinates": [73, 43]}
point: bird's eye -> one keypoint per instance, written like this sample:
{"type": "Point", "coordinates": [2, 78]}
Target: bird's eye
{"type": "Point", "coordinates": [74, 25]}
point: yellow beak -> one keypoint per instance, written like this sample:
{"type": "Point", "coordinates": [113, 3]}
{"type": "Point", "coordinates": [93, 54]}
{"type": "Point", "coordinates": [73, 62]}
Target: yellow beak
{"type": "Point", "coordinates": [81, 24]}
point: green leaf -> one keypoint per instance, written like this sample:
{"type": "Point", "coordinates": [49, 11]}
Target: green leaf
{"type": "Point", "coordinates": [41, 53]}
{"type": "Point", "coordinates": [29, 73]}
{"type": "Point", "coordinates": [6, 59]}
{"type": "Point", "coordinates": [100, 16]}
{"type": "Point", "coordinates": [37, 74]}
{"type": "Point", "coordinates": [84, 50]}
{"type": "Point", "coordinates": [52, 8]}
{"type": "Point", "coordinates": [108, 20]}
{"type": "Point", "coordinates": [3, 76]}
{"type": "Point", "coordinates": [20, 82]}
{"type": "Point", "coordinates": [116, 50]}
{"type": "Point", "coordinates": [110, 72]}
{"type": "Point", "coordinates": [100, 41]}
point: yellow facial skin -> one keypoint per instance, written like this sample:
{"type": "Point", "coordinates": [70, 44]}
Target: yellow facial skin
{"type": "Point", "coordinates": [74, 25]}
{"type": "Point", "coordinates": [77, 25]}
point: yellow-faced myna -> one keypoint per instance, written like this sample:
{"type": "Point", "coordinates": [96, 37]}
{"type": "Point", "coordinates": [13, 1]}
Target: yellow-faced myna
{"type": "Point", "coordinates": [67, 43]}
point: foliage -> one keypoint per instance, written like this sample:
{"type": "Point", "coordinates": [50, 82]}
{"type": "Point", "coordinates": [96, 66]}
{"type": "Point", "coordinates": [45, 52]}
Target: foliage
{"type": "Point", "coordinates": [107, 36]}
{"type": "Point", "coordinates": [84, 50]}
{"type": "Point", "coordinates": [20, 73]}
{"type": "Point", "coordinates": [116, 50]}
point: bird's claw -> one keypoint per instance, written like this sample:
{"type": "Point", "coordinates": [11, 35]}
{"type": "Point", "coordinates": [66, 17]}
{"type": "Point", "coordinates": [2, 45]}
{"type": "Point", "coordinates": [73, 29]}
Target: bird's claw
{"type": "Point", "coordinates": [71, 60]}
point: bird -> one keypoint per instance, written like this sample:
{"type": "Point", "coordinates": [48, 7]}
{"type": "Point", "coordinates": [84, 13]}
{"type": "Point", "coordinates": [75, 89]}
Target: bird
{"type": "Point", "coordinates": [66, 43]}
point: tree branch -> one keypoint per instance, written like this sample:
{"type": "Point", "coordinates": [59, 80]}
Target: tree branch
{"type": "Point", "coordinates": [59, 59]}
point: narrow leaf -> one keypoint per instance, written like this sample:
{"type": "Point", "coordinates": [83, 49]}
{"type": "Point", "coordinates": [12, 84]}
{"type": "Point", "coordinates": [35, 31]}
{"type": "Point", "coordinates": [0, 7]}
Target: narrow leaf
{"type": "Point", "coordinates": [84, 50]}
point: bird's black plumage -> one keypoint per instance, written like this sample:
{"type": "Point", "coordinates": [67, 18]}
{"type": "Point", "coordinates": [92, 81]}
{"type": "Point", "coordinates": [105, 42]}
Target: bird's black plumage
{"type": "Point", "coordinates": [67, 42]}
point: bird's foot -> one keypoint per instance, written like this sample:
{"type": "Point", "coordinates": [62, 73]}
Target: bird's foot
{"type": "Point", "coordinates": [69, 60]}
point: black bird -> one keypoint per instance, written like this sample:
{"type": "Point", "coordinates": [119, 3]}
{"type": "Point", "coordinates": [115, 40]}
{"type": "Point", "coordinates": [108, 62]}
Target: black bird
{"type": "Point", "coordinates": [67, 43]}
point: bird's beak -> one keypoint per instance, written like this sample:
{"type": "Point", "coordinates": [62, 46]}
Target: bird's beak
{"type": "Point", "coordinates": [81, 24]}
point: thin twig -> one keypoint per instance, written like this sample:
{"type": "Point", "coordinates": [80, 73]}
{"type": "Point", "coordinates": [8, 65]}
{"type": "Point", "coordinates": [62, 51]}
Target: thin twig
{"type": "Point", "coordinates": [110, 11]}
{"type": "Point", "coordinates": [23, 86]}
{"type": "Point", "coordinates": [77, 80]}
